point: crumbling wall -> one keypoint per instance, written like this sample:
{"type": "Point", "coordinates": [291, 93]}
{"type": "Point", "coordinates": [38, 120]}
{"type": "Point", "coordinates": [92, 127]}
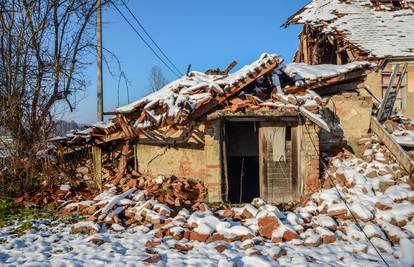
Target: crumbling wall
{"type": "Point", "coordinates": [200, 163]}
{"type": "Point", "coordinates": [309, 157]}
{"type": "Point", "coordinates": [348, 116]}
{"type": "Point", "coordinates": [163, 160]}
{"type": "Point", "coordinates": [213, 160]}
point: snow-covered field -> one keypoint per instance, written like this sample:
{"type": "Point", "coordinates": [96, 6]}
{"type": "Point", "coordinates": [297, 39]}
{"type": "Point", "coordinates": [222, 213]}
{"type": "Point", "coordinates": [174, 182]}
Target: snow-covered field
{"type": "Point", "coordinates": [48, 244]}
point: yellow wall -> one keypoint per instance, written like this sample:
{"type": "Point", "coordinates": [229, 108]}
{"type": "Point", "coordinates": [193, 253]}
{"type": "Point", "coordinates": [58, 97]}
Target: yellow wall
{"type": "Point", "coordinates": [373, 83]}
{"type": "Point", "coordinates": [201, 163]}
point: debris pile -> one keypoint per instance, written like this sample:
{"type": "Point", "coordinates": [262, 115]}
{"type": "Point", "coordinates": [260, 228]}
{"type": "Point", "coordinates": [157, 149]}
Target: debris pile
{"type": "Point", "coordinates": [156, 198]}
{"type": "Point", "coordinates": [402, 130]}
{"type": "Point", "coordinates": [52, 194]}
{"type": "Point", "coordinates": [363, 197]}
{"type": "Point", "coordinates": [264, 85]}
{"type": "Point", "coordinates": [362, 29]}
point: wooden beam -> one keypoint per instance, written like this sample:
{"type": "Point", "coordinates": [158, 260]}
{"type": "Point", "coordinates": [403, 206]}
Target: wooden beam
{"type": "Point", "coordinates": [399, 153]}
{"type": "Point", "coordinates": [110, 138]}
{"type": "Point", "coordinates": [242, 83]}
{"type": "Point", "coordinates": [97, 165]}
{"type": "Point", "coordinates": [313, 84]}
{"type": "Point", "coordinates": [256, 114]}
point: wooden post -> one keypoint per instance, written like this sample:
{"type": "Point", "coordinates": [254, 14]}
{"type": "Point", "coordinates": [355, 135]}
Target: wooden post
{"type": "Point", "coordinates": [223, 158]}
{"type": "Point", "coordinates": [97, 165]}
{"type": "Point", "coordinates": [136, 166]}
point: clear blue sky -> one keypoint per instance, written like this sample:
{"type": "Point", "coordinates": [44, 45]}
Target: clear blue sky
{"type": "Point", "coordinates": [207, 34]}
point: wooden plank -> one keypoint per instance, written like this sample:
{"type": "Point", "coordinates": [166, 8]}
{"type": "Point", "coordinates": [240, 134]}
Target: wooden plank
{"type": "Point", "coordinates": [224, 159]}
{"type": "Point", "coordinates": [252, 115]}
{"type": "Point", "coordinates": [262, 165]}
{"type": "Point", "coordinates": [110, 138]}
{"type": "Point", "coordinates": [275, 174]}
{"type": "Point", "coordinates": [342, 78]}
{"type": "Point", "coordinates": [399, 153]}
{"type": "Point", "coordinates": [295, 162]}
{"type": "Point", "coordinates": [97, 165]}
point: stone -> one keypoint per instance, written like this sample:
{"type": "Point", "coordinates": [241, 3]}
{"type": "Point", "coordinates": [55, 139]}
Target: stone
{"type": "Point", "coordinates": [383, 185]}
{"type": "Point", "coordinates": [152, 243]}
{"type": "Point", "coordinates": [247, 244]}
{"type": "Point", "coordinates": [372, 174]}
{"type": "Point", "coordinates": [198, 236]}
{"type": "Point", "coordinates": [267, 224]}
{"type": "Point", "coordinates": [289, 235]}
{"type": "Point", "coordinates": [181, 247]}
{"type": "Point", "coordinates": [227, 213]}
{"type": "Point", "coordinates": [89, 228]}
{"type": "Point", "coordinates": [153, 259]}
{"type": "Point", "coordinates": [327, 239]}
{"type": "Point", "coordinates": [313, 241]}
{"type": "Point", "coordinates": [382, 206]}
{"type": "Point", "coordinates": [97, 241]}
{"type": "Point", "coordinates": [220, 248]}
{"type": "Point", "coordinates": [217, 237]}
{"type": "Point", "coordinates": [256, 253]}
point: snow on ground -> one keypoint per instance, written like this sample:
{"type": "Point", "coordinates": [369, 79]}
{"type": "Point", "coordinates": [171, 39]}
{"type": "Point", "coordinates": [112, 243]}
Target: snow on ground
{"type": "Point", "coordinates": [129, 229]}
{"type": "Point", "coordinates": [49, 244]}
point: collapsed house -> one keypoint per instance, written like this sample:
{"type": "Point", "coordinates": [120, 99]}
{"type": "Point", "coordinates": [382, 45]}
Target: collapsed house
{"type": "Point", "coordinates": [251, 133]}
{"type": "Point", "coordinates": [382, 32]}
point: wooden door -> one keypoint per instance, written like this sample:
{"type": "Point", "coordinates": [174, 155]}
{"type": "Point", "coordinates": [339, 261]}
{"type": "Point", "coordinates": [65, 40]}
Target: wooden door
{"type": "Point", "coordinates": [275, 162]}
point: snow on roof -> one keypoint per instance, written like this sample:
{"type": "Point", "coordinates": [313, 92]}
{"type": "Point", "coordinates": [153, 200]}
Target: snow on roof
{"type": "Point", "coordinates": [380, 33]}
{"type": "Point", "coordinates": [196, 87]}
{"type": "Point", "coordinates": [177, 100]}
{"type": "Point", "coordinates": [302, 71]}
{"type": "Point", "coordinates": [173, 104]}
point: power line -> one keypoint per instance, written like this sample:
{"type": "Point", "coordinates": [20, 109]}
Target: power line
{"type": "Point", "coordinates": [146, 43]}
{"type": "Point", "coordinates": [149, 36]}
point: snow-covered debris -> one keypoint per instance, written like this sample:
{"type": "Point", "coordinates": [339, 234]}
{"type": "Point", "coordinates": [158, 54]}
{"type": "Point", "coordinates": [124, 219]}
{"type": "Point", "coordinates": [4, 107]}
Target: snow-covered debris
{"type": "Point", "coordinates": [304, 72]}
{"type": "Point", "coordinates": [372, 200]}
{"type": "Point", "coordinates": [85, 227]}
{"type": "Point", "coordinates": [378, 32]}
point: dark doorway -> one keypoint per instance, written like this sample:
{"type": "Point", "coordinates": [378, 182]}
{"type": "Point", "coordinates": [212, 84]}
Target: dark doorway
{"type": "Point", "coordinates": [242, 161]}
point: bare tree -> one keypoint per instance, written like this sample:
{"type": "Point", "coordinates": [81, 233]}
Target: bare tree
{"type": "Point", "coordinates": [156, 79]}
{"type": "Point", "coordinates": [44, 50]}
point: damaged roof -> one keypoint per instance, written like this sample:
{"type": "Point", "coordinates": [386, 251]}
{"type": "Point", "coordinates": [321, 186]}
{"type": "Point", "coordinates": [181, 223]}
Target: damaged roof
{"type": "Point", "coordinates": [265, 85]}
{"type": "Point", "coordinates": [379, 28]}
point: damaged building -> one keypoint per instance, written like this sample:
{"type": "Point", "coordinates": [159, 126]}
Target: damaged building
{"type": "Point", "coordinates": [378, 31]}
{"type": "Point", "coordinates": [252, 133]}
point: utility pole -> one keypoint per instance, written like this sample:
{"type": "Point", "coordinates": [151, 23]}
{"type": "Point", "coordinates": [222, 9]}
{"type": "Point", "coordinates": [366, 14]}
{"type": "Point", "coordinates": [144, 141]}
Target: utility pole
{"type": "Point", "coordinates": [99, 61]}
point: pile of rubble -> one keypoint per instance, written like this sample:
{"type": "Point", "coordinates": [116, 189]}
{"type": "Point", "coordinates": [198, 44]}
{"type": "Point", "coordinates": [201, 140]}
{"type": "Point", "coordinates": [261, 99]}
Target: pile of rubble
{"type": "Point", "coordinates": [119, 204]}
{"type": "Point", "coordinates": [363, 197]}
{"type": "Point", "coordinates": [402, 130]}
{"type": "Point", "coordinates": [53, 194]}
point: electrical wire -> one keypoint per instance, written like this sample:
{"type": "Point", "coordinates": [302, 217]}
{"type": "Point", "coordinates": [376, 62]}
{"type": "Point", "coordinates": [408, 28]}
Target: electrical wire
{"type": "Point", "coordinates": [146, 43]}
{"type": "Point", "coordinates": [345, 202]}
{"type": "Point", "coordinates": [149, 36]}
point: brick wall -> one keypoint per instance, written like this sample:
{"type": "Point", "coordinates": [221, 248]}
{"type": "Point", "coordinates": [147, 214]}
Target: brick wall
{"type": "Point", "coordinates": [213, 161]}
{"type": "Point", "coordinates": [309, 157]}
